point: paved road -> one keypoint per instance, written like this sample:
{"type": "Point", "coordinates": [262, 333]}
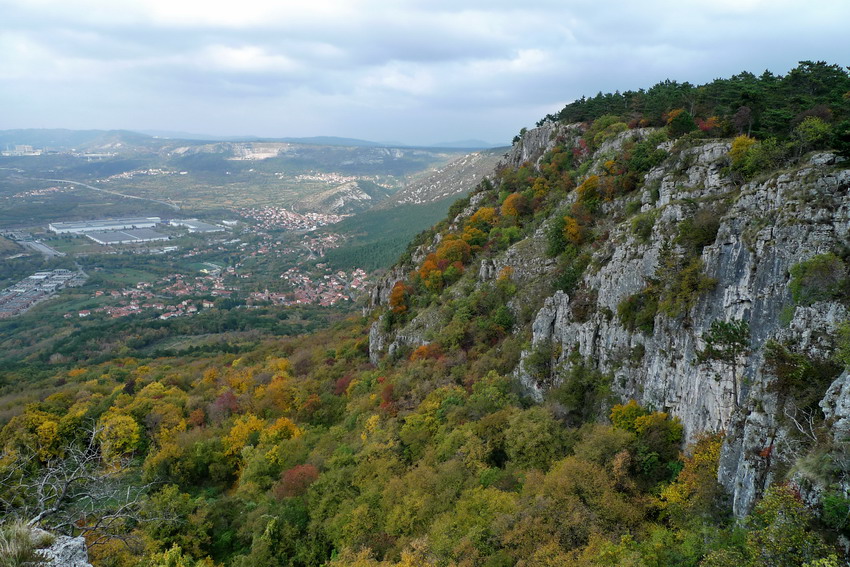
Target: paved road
{"type": "Point", "coordinates": [166, 203]}
{"type": "Point", "coordinates": [41, 247]}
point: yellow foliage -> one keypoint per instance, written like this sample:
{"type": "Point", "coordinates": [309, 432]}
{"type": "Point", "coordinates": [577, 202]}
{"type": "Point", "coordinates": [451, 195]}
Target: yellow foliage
{"type": "Point", "coordinates": [693, 485]}
{"type": "Point", "coordinates": [505, 273]}
{"type": "Point", "coordinates": [573, 231]}
{"type": "Point", "coordinates": [210, 376]}
{"type": "Point", "coordinates": [281, 429]}
{"type": "Point", "coordinates": [241, 432]}
{"type": "Point", "coordinates": [589, 188]}
{"type": "Point", "coordinates": [47, 434]}
{"type": "Point", "coordinates": [240, 380]}
{"type": "Point", "coordinates": [370, 426]}
{"type": "Point", "coordinates": [74, 372]}
{"type": "Point", "coordinates": [740, 148]}
{"type": "Point", "coordinates": [623, 416]}
{"type": "Point", "coordinates": [484, 215]}
{"type": "Point", "coordinates": [119, 435]}
{"type": "Point", "coordinates": [279, 365]}
{"type": "Point", "coordinates": [278, 394]}
{"type": "Point", "coordinates": [540, 188]}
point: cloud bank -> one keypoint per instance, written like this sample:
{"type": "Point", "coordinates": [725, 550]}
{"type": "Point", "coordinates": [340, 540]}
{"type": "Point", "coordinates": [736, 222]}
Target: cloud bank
{"type": "Point", "coordinates": [409, 71]}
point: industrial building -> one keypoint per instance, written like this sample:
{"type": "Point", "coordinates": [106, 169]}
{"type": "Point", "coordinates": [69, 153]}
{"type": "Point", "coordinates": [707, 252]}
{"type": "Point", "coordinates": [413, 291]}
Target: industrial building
{"type": "Point", "coordinates": [126, 236]}
{"type": "Point", "coordinates": [38, 287]}
{"type": "Point", "coordinates": [83, 227]}
{"type": "Point", "coordinates": [194, 225]}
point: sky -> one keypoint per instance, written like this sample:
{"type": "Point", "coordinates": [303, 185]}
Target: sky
{"type": "Point", "coordinates": [415, 72]}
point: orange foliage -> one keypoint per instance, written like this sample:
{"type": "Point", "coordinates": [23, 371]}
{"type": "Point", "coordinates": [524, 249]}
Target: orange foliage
{"type": "Point", "coordinates": [505, 273]}
{"type": "Point", "coordinates": [398, 297]}
{"type": "Point", "coordinates": [483, 216]}
{"type": "Point", "coordinates": [428, 266]}
{"type": "Point", "coordinates": [453, 250]}
{"type": "Point", "coordinates": [573, 231]}
{"type": "Point", "coordinates": [197, 418]}
{"type": "Point", "coordinates": [427, 351]}
{"type": "Point", "coordinates": [514, 205]}
{"type": "Point", "coordinates": [673, 114]}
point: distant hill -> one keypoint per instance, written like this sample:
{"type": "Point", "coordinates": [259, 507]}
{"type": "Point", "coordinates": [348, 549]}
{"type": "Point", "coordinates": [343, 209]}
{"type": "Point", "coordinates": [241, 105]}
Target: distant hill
{"type": "Point", "coordinates": [452, 180]}
{"type": "Point", "coordinates": [63, 140]}
{"type": "Point", "coordinates": [467, 145]}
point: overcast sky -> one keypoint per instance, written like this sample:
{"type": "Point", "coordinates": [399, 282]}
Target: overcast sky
{"type": "Point", "coordinates": [391, 70]}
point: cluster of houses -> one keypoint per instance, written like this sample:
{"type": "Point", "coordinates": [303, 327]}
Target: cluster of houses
{"type": "Point", "coordinates": [276, 218]}
{"type": "Point", "coordinates": [329, 290]}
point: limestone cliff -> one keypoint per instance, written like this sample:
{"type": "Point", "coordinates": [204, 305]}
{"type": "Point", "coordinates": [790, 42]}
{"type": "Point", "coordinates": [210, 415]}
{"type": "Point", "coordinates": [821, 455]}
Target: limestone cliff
{"type": "Point", "coordinates": [761, 229]}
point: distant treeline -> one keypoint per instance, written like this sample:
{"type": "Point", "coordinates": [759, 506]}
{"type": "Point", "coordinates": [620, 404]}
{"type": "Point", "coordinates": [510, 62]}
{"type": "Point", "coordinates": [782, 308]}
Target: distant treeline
{"type": "Point", "coordinates": [761, 106]}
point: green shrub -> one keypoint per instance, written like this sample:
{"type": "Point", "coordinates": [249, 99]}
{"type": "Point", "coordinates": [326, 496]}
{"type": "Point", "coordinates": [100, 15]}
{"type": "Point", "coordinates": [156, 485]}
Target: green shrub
{"type": "Point", "coordinates": [645, 155]}
{"type": "Point", "coordinates": [700, 230]}
{"type": "Point", "coordinates": [820, 278]}
{"type": "Point", "coordinates": [637, 311]}
{"type": "Point", "coordinates": [836, 510]}
{"type": "Point", "coordinates": [583, 393]}
{"type": "Point", "coordinates": [538, 363]}
{"type": "Point", "coordinates": [680, 294]}
{"type": "Point", "coordinates": [842, 349]}
{"type": "Point", "coordinates": [802, 377]}
{"type": "Point", "coordinates": [643, 224]}
{"type": "Point", "coordinates": [681, 124]}
{"type": "Point", "coordinates": [572, 267]}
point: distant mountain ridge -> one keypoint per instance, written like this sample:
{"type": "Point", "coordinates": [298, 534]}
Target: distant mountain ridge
{"type": "Point", "coordinates": [61, 139]}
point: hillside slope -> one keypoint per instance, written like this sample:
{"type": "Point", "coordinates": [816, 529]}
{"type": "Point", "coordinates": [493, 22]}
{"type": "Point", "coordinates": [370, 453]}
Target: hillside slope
{"type": "Point", "coordinates": [628, 346]}
{"type": "Point", "coordinates": [663, 264]}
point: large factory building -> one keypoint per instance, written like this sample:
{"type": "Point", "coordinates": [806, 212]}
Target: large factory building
{"type": "Point", "coordinates": [83, 227]}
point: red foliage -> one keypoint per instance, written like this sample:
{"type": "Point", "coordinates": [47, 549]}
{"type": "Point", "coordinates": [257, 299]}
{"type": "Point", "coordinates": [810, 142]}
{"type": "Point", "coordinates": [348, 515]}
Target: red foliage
{"type": "Point", "coordinates": [197, 418]}
{"type": "Point", "coordinates": [295, 481]}
{"type": "Point", "coordinates": [387, 400]}
{"type": "Point", "coordinates": [342, 384]}
{"type": "Point", "coordinates": [224, 405]}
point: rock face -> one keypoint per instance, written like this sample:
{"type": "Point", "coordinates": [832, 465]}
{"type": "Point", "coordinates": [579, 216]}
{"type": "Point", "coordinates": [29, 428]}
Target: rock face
{"type": "Point", "coordinates": [764, 228]}
{"type": "Point", "coordinates": [65, 551]}
{"type": "Point", "coordinates": [68, 552]}
{"type": "Point", "coordinates": [836, 406]}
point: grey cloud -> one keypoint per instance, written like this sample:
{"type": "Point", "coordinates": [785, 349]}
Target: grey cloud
{"type": "Point", "coordinates": [403, 70]}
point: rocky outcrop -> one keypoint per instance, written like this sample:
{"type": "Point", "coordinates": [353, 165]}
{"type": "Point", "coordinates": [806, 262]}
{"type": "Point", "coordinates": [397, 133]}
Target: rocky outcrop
{"type": "Point", "coordinates": [64, 551]}
{"type": "Point", "coordinates": [770, 225]}
{"type": "Point", "coordinates": [534, 143]}
{"type": "Point", "coordinates": [836, 407]}
{"type": "Point", "coordinates": [764, 228]}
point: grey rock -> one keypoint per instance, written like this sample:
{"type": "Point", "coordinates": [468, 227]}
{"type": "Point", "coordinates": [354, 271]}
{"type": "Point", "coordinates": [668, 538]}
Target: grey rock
{"type": "Point", "coordinates": [65, 551]}
{"type": "Point", "coordinates": [836, 406]}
